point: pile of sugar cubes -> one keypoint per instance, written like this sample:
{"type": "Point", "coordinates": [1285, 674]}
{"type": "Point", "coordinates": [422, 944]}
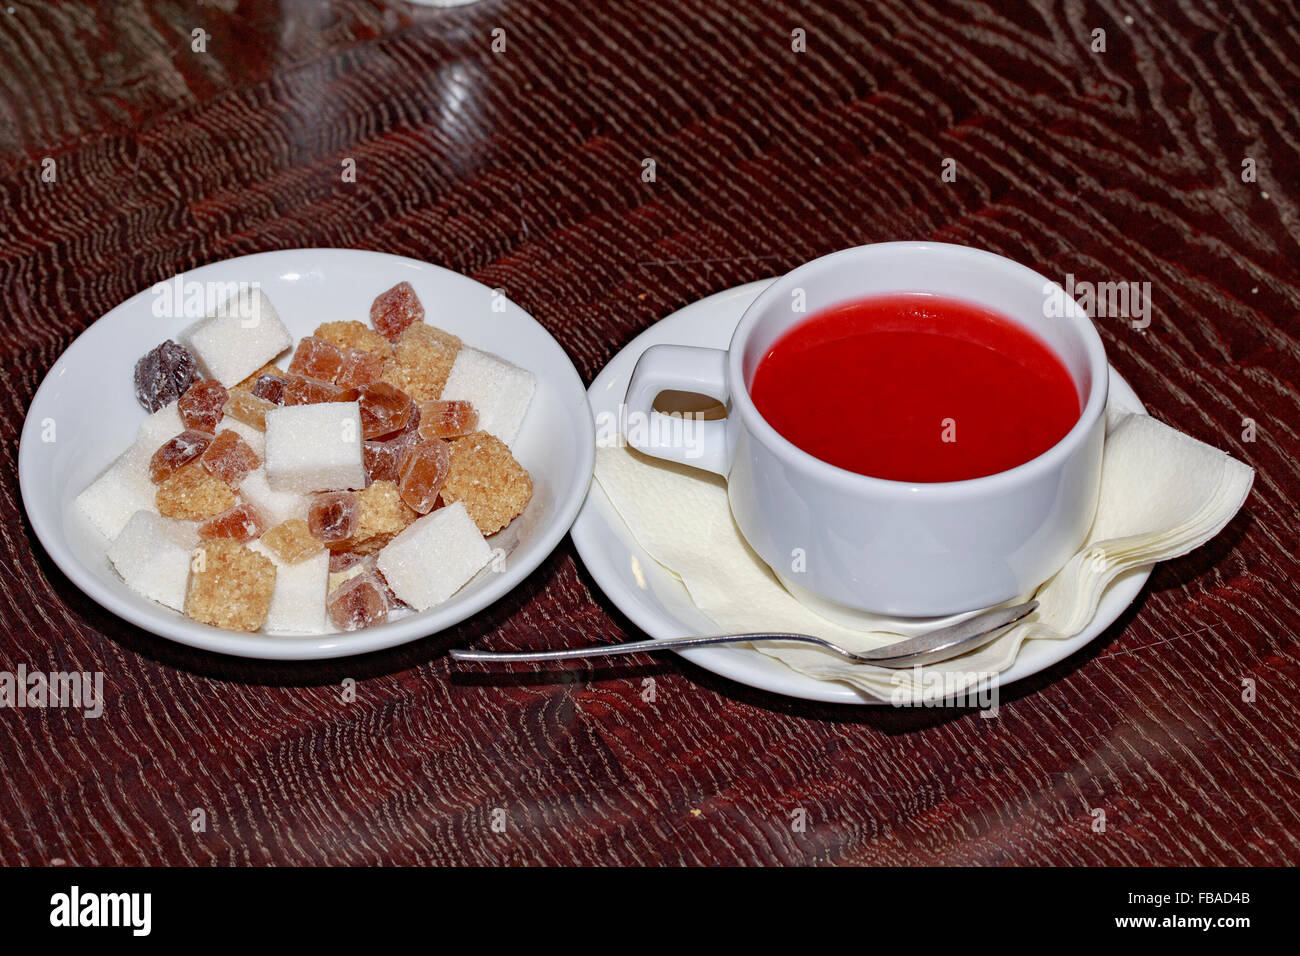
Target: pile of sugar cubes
{"type": "Point", "coordinates": [357, 483]}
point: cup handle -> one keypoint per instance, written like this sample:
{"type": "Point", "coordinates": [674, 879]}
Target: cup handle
{"type": "Point", "coordinates": [685, 368]}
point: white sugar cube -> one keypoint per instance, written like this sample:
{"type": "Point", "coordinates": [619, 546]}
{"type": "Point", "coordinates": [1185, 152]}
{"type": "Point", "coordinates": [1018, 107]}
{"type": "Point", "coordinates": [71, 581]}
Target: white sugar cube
{"type": "Point", "coordinates": [273, 506]}
{"type": "Point", "coordinates": [152, 554]}
{"type": "Point", "coordinates": [119, 492]}
{"type": "Point", "coordinates": [298, 601]}
{"type": "Point", "coordinates": [242, 335]}
{"type": "Point", "coordinates": [159, 428]}
{"type": "Point", "coordinates": [499, 391]}
{"type": "Point", "coordinates": [434, 556]}
{"type": "Point", "coordinates": [124, 487]}
{"type": "Point", "coordinates": [314, 447]}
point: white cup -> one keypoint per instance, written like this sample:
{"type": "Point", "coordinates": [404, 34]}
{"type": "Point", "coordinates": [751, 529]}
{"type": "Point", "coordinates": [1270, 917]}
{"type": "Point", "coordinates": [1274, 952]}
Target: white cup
{"type": "Point", "coordinates": [851, 543]}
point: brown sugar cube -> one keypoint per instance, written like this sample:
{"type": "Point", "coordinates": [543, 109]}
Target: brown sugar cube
{"type": "Point", "coordinates": [192, 493]}
{"type": "Point", "coordinates": [439, 419]}
{"type": "Point", "coordinates": [385, 410]}
{"type": "Point", "coordinates": [202, 406]}
{"type": "Point", "coordinates": [240, 523]}
{"type": "Point", "coordinates": [383, 514]}
{"type": "Point", "coordinates": [424, 469]}
{"type": "Point", "coordinates": [422, 360]}
{"type": "Point", "coordinates": [248, 408]}
{"type": "Point", "coordinates": [230, 585]}
{"type": "Point", "coordinates": [395, 310]}
{"type": "Point", "coordinates": [177, 453]}
{"type": "Point", "coordinates": [354, 335]}
{"type": "Point", "coordinates": [270, 387]}
{"type": "Point", "coordinates": [316, 358]}
{"type": "Point", "coordinates": [230, 458]}
{"type": "Point", "coordinates": [333, 516]}
{"type": "Point", "coordinates": [292, 541]}
{"type": "Point", "coordinates": [431, 333]}
{"type": "Point", "coordinates": [299, 390]}
{"type": "Point", "coordinates": [359, 602]}
{"type": "Point", "coordinates": [484, 475]}
{"type": "Point", "coordinates": [359, 368]}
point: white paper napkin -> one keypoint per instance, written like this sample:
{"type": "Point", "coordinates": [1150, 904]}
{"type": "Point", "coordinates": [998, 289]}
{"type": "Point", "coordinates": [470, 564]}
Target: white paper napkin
{"type": "Point", "coordinates": [1162, 494]}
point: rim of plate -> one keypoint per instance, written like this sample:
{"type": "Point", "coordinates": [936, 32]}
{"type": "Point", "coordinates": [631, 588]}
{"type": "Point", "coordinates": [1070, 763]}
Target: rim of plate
{"type": "Point", "coordinates": [150, 617]}
{"type": "Point", "coordinates": [742, 665]}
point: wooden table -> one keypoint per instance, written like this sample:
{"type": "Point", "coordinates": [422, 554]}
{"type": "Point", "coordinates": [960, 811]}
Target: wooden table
{"type": "Point", "coordinates": [523, 168]}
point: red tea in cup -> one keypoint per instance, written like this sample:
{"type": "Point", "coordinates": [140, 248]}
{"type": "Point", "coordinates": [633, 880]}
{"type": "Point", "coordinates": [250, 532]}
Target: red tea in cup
{"type": "Point", "coordinates": [915, 387]}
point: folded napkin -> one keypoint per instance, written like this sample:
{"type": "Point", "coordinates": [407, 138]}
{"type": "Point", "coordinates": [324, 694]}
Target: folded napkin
{"type": "Point", "coordinates": [1162, 494]}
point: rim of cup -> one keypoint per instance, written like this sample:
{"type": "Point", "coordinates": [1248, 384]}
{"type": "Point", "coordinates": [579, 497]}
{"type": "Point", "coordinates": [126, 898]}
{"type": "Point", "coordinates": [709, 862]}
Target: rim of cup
{"type": "Point", "coordinates": [1092, 410]}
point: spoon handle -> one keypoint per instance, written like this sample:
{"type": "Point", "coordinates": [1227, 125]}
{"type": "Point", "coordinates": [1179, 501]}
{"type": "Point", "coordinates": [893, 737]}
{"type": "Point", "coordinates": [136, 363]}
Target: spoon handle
{"type": "Point", "coordinates": [935, 646]}
{"type": "Point", "coordinates": [610, 650]}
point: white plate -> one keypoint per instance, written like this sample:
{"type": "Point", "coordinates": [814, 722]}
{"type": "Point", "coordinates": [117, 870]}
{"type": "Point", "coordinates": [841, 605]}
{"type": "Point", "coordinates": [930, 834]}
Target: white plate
{"type": "Point", "coordinates": [90, 398]}
{"type": "Point", "coordinates": [657, 602]}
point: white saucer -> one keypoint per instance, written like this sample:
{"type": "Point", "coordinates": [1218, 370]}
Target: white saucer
{"type": "Point", "coordinates": [89, 395]}
{"type": "Point", "coordinates": [655, 600]}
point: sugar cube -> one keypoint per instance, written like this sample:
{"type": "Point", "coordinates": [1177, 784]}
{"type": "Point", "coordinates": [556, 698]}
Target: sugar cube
{"type": "Point", "coordinates": [422, 359]}
{"type": "Point", "coordinates": [160, 427]}
{"type": "Point", "coordinates": [273, 506]}
{"type": "Point", "coordinates": [333, 516]}
{"type": "Point", "coordinates": [203, 405]}
{"type": "Point", "coordinates": [241, 523]}
{"type": "Point", "coordinates": [359, 368]}
{"type": "Point", "coordinates": [499, 391]}
{"type": "Point", "coordinates": [385, 409]}
{"type": "Point", "coordinates": [382, 514]}
{"type": "Point", "coordinates": [433, 558]}
{"type": "Point", "coordinates": [439, 419]}
{"type": "Point", "coordinates": [292, 541]}
{"type": "Point", "coordinates": [317, 358]}
{"type": "Point", "coordinates": [298, 601]}
{"type": "Point", "coordinates": [486, 477]}
{"type": "Point", "coordinates": [254, 437]}
{"type": "Point", "coordinates": [230, 458]}
{"type": "Point", "coordinates": [193, 494]}
{"type": "Point", "coordinates": [424, 469]}
{"type": "Point", "coordinates": [177, 453]}
{"type": "Point", "coordinates": [120, 491]}
{"type": "Point", "coordinates": [243, 334]}
{"type": "Point", "coordinates": [229, 586]}
{"type": "Point", "coordinates": [246, 408]}
{"type": "Point", "coordinates": [314, 447]}
{"type": "Point", "coordinates": [394, 310]}
{"type": "Point", "coordinates": [355, 335]}
{"type": "Point", "coordinates": [152, 554]}
{"type": "Point", "coordinates": [270, 387]}
{"type": "Point", "coordinates": [298, 390]}
{"type": "Point", "coordinates": [124, 487]}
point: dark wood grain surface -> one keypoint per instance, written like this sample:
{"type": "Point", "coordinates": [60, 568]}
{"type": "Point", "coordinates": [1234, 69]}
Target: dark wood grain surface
{"type": "Point", "coordinates": [522, 169]}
